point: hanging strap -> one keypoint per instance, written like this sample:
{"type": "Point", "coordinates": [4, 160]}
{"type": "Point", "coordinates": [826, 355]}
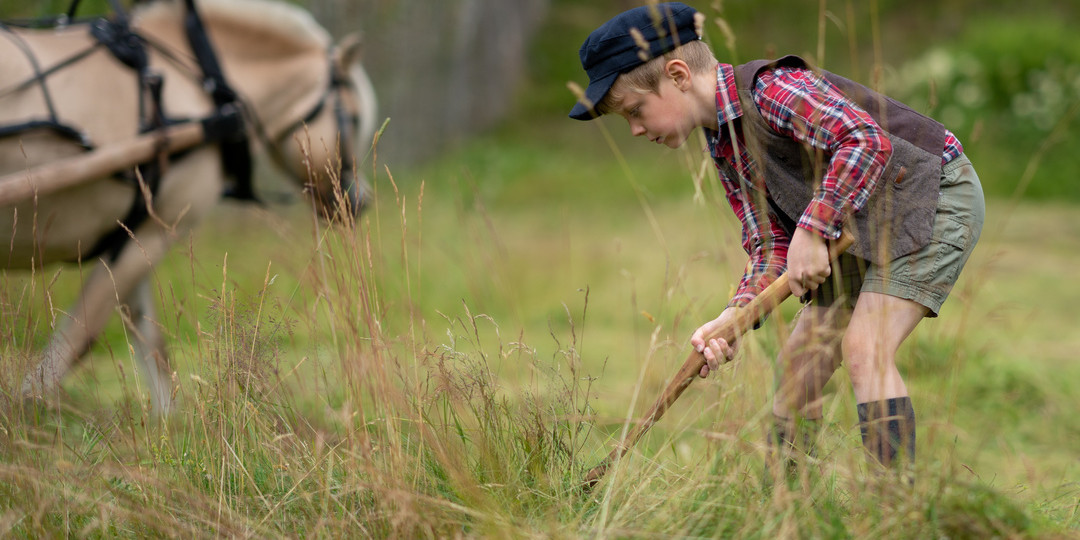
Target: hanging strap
{"type": "Point", "coordinates": [214, 78]}
{"type": "Point", "coordinates": [235, 147]}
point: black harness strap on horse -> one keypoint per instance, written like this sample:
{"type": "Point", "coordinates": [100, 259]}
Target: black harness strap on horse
{"type": "Point", "coordinates": [235, 146]}
{"type": "Point", "coordinates": [72, 9]}
{"type": "Point", "coordinates": [58, 128]}
{"type": "Point", "coordinates": [124, 44]}
{"type": "Point", "coordinates": [129, 49]}
{"type": "Point", "coordinates": [225, 127]}
{"type": "Point", "coordinates": [53, 123]}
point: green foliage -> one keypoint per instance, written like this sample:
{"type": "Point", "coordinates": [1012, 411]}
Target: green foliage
{"type": "Point", "coordinates": [974, 511]}
{"type": "Point", "coordinates": [21, 9]}
{"type": "Point", "coordinates": [1028, 67]}
{"type": "Point", "coordinates": [1010, 88]}
{"type": "Point", "coordinates": [1004, 77]}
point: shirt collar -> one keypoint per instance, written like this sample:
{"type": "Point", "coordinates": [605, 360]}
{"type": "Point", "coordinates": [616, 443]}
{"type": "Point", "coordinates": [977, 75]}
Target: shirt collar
{"type": "Point", "coordinates": [728, 107]}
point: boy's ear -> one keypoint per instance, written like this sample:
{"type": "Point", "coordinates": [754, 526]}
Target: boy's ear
{"type": "Point", "coordinates": [679, 73]}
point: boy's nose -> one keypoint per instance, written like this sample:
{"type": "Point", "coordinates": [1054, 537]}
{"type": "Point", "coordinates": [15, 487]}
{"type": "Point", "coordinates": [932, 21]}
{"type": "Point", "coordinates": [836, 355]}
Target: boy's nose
{"type": "Point", "coordinates": [637, 129]}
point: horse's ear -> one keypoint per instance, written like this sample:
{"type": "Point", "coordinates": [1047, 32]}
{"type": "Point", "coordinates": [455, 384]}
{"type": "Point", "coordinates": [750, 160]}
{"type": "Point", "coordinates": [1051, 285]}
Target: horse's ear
{"type": "Point", "coordinates": [348, 49]}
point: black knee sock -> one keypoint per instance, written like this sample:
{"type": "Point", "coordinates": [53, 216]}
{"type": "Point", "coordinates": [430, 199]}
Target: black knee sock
{"type": "Point", "coordinates": [888, 430]}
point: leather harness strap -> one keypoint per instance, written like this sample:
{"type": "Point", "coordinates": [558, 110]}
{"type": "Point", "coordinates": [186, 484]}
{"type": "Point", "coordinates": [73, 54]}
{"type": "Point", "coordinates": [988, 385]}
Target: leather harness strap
{"type": "Point", "coordinates": [52, 122]}
{"type": "Point", "coordinates": [235, 146]}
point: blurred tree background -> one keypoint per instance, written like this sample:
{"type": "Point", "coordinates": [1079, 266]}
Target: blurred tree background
{"type": "Point", "coordinates": [1004, 75]}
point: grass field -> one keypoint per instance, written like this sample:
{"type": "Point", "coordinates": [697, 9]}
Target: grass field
{"type": "Point", "coordinates": [454, 363]}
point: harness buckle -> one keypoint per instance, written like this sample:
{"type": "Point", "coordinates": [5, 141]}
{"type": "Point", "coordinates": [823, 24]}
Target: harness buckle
{"type": "Point", "coordinates": [227, 124]}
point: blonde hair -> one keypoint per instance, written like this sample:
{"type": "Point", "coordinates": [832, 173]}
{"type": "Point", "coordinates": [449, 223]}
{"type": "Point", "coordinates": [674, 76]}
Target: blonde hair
{"type": "Point", "coordinates": [646, 77]}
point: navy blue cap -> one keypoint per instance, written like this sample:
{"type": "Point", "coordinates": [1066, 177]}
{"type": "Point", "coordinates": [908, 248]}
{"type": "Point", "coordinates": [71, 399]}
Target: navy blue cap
{"type": "Point", "coordinates": [612, 50]}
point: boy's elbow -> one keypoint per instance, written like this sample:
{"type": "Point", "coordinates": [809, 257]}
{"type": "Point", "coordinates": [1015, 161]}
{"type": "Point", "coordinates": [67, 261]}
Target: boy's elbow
{"type": "Point", "coordinates": [885, 147]}
{"type": "Point", "coordinates": [880, 148]}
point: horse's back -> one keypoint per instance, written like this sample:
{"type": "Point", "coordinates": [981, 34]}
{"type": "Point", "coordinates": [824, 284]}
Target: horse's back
{"type": "Point", "coordinates": [82, 96]}
{"type": "Point", "coordinates": [273, 54]}
{"type": "Point", "coordinates": [97, 96]}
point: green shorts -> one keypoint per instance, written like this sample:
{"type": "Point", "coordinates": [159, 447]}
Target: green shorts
{"type": "Point", "coordinates": [927, 275]}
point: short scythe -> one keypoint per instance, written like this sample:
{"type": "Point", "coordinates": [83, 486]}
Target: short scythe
{"type": "Point", "coordinates": [761, 305]}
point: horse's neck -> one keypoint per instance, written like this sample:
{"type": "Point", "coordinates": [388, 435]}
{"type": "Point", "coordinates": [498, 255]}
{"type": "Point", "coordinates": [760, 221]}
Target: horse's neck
{"type": "Point", "coordinates": [284, 90]}
{"type": "Point", "coordinates": [281, 77]}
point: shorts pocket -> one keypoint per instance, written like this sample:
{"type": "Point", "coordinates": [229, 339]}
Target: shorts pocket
{"type": "Point", "coordinates": [952, 238]}
{"type": "Point", "coordinates": [937, 265]}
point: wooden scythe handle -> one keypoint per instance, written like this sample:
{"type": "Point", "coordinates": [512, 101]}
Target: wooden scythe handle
{"type": "Point", "coordinates": [106, 160]}
{"type": "Point", "coordinates": [762, 304]}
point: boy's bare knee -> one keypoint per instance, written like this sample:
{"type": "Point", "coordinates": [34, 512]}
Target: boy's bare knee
{"type": "Point", "coordinates": [859, 354]}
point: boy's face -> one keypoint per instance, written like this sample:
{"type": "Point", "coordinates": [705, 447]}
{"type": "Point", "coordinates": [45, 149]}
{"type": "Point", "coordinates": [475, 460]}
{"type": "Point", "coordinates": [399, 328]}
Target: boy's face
{"type": "Point", "coordinates": [664, 117]}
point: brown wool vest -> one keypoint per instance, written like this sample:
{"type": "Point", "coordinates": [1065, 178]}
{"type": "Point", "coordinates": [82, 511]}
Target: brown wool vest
{"type": "Point", "coordinates": [899, 216]}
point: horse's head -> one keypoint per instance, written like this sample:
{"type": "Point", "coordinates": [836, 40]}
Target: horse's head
{"type": "Point", "coordinates": [326, 148]}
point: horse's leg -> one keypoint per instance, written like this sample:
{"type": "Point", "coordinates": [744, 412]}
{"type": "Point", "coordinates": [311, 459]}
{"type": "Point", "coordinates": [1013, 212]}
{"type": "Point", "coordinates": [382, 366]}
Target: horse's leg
{"type": "Point", "coordinates": [71, 338]}
{"type": "Point", "coordinates": [188, 190]}
{"type": "Point", "coordinates": [101, 294]}
{"type": "Point", "coordinates": [150, 346]}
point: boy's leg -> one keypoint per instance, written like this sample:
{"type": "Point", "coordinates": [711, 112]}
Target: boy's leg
{"type": "Point", "coordinates": [879, 324]}
{"type": "Point", "coordinates": [806, 362]}
{"type": "Point", "coordinates": [893, 300]}
{"type": "Point", "coordinates": [808, 359]}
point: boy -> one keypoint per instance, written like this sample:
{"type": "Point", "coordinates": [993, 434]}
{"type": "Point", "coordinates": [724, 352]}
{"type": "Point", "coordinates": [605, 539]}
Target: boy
{"type": "Point", "coordinates": [803, 154]}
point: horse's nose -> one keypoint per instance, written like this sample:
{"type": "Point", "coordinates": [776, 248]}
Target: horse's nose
{"type": "Point", "coordinates": [346, 203]}
{"type": "Point", "coordinates": [358, 194]}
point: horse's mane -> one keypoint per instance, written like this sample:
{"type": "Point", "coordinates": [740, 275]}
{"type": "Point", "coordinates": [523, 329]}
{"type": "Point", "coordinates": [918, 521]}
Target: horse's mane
{"type": "Point", "coordinates": [291, 21]}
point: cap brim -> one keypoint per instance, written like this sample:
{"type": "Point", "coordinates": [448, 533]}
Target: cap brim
{"type": "Point", "coordinates": [594, 94]}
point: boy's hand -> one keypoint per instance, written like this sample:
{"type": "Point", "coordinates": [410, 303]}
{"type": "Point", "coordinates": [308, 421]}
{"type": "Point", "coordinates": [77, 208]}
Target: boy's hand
{"type": "Point", "coordinates": [716, 351]}
{"type": "Point", "coordinates": [807, 262]}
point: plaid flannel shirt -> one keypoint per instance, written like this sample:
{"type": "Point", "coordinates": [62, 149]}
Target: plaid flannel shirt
{"type": "Point", "coordinates": [798, 103]}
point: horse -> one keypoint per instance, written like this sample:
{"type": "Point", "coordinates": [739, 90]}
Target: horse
{"type": "Point", "coordinates": [299, 97]}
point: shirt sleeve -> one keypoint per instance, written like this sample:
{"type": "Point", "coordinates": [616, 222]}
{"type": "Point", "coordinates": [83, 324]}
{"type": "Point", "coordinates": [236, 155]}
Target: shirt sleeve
{"type": "Point", "coordinates": [799, 103]}
{"type": "Point", "coordinates": [763, 240]}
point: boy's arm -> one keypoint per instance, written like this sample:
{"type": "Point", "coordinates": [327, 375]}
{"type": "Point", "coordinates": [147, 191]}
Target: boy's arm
{"type": "Point", "coordinates": [766, 244]}
{"type": "Point", "coordinates": [764, 241]}
{"type": "Point", "coordinates": [799, 103]}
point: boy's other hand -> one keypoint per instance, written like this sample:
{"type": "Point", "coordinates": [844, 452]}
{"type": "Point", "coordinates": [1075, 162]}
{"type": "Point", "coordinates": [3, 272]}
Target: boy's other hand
{"type": "Point", "coordinates": [807, 262]}
{"type": "Point", "coordinates": [716, 351]}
